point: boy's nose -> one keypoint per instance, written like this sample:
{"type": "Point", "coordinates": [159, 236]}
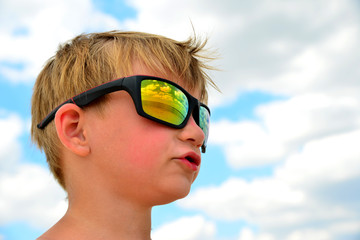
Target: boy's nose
{"type": "Point", "coordinates": [192, 133]}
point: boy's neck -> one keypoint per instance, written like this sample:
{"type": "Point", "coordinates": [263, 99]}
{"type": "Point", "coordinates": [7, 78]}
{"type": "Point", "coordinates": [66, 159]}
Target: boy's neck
{"type": "Point", "coordinates": [95, 219]}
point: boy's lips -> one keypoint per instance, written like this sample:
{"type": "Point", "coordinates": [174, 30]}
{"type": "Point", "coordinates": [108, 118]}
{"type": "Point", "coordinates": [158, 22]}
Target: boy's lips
{"type": "Point", "coordinates": [191, 159]}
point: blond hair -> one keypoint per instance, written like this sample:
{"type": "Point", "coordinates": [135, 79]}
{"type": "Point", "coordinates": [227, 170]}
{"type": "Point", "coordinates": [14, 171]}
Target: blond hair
{"type": "Point", "coordinates": [89, 60]}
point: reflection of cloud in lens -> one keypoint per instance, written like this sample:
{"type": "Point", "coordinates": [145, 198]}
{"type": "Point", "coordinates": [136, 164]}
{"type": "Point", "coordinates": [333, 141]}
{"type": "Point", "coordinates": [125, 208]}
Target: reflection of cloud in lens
{"type": "Point", "coordinates": [165, 93]}
{"type": "Point", "coordinates": [165, 89]}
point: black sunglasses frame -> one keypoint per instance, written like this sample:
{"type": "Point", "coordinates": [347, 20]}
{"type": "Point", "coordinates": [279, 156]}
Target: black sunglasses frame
{"type": "Point", "coordinates": [132, 85]}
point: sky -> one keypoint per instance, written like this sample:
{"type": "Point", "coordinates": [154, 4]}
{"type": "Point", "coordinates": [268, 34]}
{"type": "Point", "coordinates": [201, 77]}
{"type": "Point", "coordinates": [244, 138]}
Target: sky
{"type": "Point", "coordinates": [283, 158]}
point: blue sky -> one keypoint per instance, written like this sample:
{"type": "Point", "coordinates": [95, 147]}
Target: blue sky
{"type": "Point", "coordinates": [283, 155]}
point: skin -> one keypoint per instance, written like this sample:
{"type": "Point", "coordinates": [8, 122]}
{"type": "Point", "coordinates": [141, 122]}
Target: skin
{"type": "Point", "coordinates": [118, 166]}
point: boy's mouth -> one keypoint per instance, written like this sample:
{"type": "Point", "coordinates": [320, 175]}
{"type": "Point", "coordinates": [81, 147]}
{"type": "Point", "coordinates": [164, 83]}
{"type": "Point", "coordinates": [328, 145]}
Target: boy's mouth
{"type": "Point", "coordinates": [193, 160]}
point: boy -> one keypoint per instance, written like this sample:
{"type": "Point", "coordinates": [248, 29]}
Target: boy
{"type": "Point", "coordinates": [119, 147]}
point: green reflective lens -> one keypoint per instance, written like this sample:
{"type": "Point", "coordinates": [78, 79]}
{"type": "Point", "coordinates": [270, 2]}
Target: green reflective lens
{"type": "Point", "coordinates": [204, 122]}
{"type": "Point", "coordinates": [164, 101]}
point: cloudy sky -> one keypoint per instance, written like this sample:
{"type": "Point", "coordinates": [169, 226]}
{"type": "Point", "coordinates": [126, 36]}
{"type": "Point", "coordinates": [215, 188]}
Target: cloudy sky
{"type": "Point", "coordinates": [283, 162]}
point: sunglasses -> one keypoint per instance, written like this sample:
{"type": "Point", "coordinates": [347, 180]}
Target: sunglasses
{"type": "Point", "coordinates": [155, 98]}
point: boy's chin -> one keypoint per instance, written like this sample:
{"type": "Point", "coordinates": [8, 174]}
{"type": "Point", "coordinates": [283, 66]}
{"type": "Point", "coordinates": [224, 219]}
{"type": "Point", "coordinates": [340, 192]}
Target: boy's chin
{"type": "Point", "coordinates": [173, 195]}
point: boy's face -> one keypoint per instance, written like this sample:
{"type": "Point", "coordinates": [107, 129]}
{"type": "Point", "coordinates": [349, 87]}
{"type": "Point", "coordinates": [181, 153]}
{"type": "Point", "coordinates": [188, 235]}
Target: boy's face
{"type": "Point", "coordinates": [139, 158]}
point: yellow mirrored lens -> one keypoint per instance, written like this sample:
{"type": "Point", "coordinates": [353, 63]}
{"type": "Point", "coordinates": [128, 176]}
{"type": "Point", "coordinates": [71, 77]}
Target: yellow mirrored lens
{"type": "Point", "coordinates": [164, 101]}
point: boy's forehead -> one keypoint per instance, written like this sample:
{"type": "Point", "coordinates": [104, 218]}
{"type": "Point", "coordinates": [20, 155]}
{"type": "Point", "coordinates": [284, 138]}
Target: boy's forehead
{"type": "Point", "coordinates": [139, 68]}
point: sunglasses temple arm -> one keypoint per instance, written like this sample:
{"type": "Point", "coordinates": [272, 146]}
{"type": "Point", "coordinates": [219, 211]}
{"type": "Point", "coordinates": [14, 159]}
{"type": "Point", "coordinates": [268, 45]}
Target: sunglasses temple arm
{"type": "Point", "coordinates": [203, 148]}
{"type": "Point", "coordinates": [51, 115]}
{"type": "Point", "coordinates": [91, 95]}
{"type": "Point", "coordinates": [84, 99]}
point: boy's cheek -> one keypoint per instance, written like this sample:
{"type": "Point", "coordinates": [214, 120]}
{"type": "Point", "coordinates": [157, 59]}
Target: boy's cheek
{"type": "Point", "coordinates": [145, 154]}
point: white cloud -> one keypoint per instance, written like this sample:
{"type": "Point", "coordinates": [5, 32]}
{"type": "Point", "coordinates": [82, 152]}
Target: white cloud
{"type": "Point", "coordinates": [279, 47]}
{"type": "Point", "coordinates": [242, 143]}
{"type": "Point", "coordinates": [10, 149]}
{"type": "Point", "coordinates": [32, 30]}
{"type": "Point", "coordinates": [317, 66]}
{"type": "Point", "coordinates": [248, 234]}
{"type": "Point", "coordinates": [318, 186]}
{"type": "Point", "coordinates": [186, 228]}
{"type": "Point", "coordinates": [285, 126]}
{"type": "Point", "coordinates": [27, 191]}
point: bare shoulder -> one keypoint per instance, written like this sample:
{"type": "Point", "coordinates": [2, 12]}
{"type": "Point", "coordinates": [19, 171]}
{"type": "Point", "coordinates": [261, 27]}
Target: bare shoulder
{"type": "Point", "coordinates": [63, 230]}
{"type": "Point", "coordinates": [56, 232]}
{"type": "Point", "coordinates": [53, 235]}
{"type": "Point", "coordinates": [47, 236]}
{"type": "Point", "coordinates": [43, 237]}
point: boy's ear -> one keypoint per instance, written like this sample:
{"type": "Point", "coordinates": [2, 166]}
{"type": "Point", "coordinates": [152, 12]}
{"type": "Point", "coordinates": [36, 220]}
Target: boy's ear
{"type": "Point", "coordinates": [69, 122]}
